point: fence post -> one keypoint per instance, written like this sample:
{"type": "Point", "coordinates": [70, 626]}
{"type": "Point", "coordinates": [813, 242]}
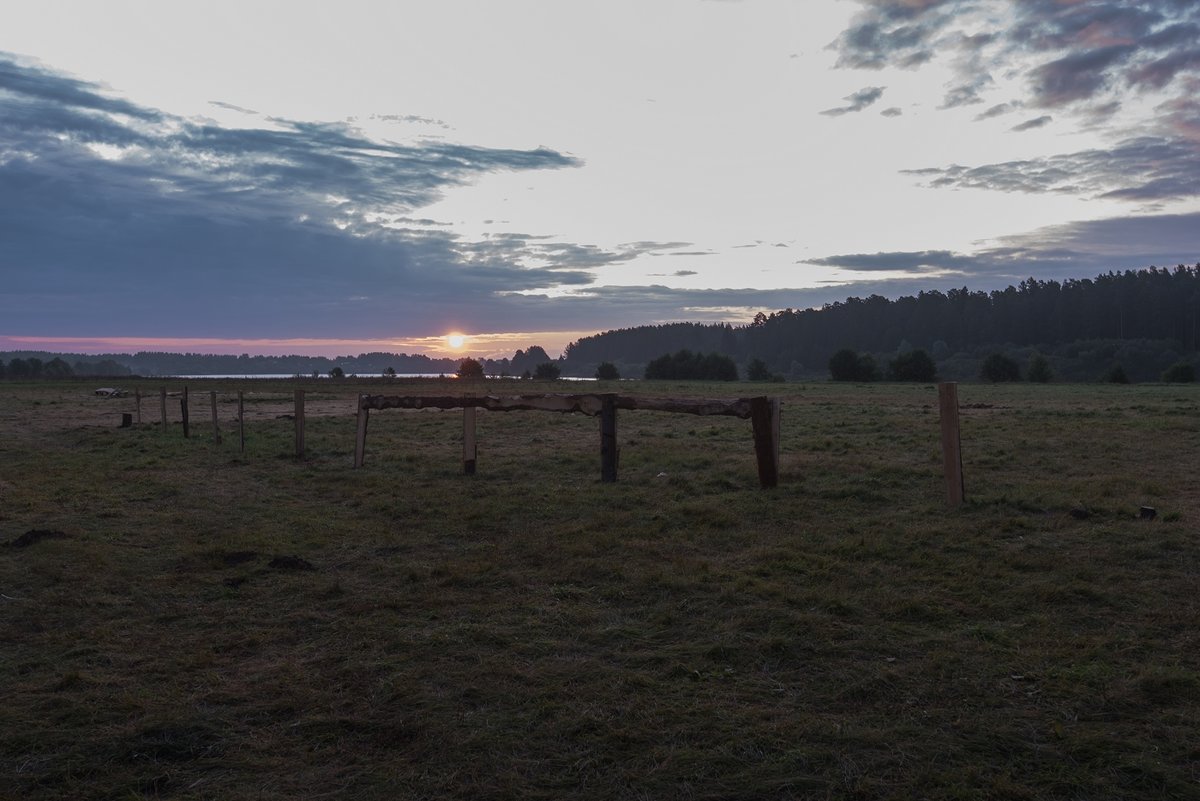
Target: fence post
{"type": "Point", "coordinates": [212, 396]}
{"type": "Point", "coordinates": [360, 437]}
{"type": "Point", "coordinates": [242, 421]}
{"type": "Point", "coordinates": [469, 440]}
{"type": "Point", "coordinates": [951, 443]}
{"type": "Point", "coordinates": [764, 416]}
{"type": "Point", "coordinates": [162, 399]}
{"type": "Point", "coordinates": [137, 395]}
{"type": "Point", "coordinates": [183, 410]}
{"type": "Point", "coordinates": [299, 424]}
{"type": "Point", "coordinates": [608, 438]}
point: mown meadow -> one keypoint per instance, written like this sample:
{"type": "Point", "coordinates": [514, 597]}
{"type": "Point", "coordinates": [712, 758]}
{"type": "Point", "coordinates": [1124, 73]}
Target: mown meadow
{"type": "Point", "coordinates": [181, 619]}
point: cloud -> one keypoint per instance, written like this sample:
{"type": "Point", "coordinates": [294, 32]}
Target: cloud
{"type": "Point", "coordinates": [1036, 122]}
{"type": "Point", "coordinates": [684, 273]}
{"type": "Point", "coordinates": [891, 112]}
{"type": "Point", "coordinates": [1085, 59]}
{"type": "Point", "coordinates": [858, 101]}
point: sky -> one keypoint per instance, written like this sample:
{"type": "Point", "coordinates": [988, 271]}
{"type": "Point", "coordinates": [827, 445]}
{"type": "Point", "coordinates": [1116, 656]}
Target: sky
{"type": "Point", "coordinates": [305, 177]}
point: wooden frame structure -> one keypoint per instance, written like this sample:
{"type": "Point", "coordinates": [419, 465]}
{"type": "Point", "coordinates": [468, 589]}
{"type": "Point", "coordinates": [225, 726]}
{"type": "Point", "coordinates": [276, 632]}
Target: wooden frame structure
{"type": "Point", "coordinates": [763, 412]}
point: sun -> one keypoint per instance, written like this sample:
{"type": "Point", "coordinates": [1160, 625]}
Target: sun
{"type": "Point", "coordinates": [456, 341]}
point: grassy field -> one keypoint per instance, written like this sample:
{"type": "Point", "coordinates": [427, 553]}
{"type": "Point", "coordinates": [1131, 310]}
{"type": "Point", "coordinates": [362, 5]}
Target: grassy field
{"type": "Point", "coordinates": [194, 622]}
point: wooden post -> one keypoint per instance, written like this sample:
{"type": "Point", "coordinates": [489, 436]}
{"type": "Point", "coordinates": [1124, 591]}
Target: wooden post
{"type": "Point", "coordinates": [183, 409]}
{"type": "Point", "coordinates": [137, 408]}
{"type": "Point", "coordinates": [162, 399]}
{"type": "Point", "coordinates": [300, 424]}
{"type": "Point", "coordinates": [469, 440]}
{"type": "Point", "coordinates": [360, 438]}
{"type": "Point", "coordinates": [951, 443]}
{"type": "Point", "coordinates": [212, 395]}
{"type": "Point", "coordinates": [608, 439]}
{"type": "Point", "coordinates": [764, 416]}
{"type": "Point", "coordinates": [242, 420]}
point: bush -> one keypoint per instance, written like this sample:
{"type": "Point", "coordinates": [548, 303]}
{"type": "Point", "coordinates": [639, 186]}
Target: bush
{"type": "Point", "coordinates": [997, 367]}
{"type": "Point", "coordinates": [1117, 375]}
{"type": "Point", "coordinates": [337, 372]}
{"type": "Point", "coordinates": [846, 365]}
{"type": "Point", "coordinates": [607, 371]}
{"type": "Point", "coordinates": [757, 371]}
{"type": "Point", "coordinates": [470, 368]}
{"type": "Point", "coordinates": [546, 371]}
{"type": "Point", "coordinates": [1180, 373]}
{"type": "Point", "coordinates": [689, 366]}
{"type": "Point", "coordinates": [913, 366]}
{"type": "Point", "coordinates": [1039, 369]}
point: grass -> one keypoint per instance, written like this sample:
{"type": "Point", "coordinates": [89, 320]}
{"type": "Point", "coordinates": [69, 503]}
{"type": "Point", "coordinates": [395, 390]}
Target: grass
{"type": "Point", "coordinates": [215, 624]}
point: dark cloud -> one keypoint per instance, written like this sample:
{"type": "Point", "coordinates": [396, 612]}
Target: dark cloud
{"type": "Point", "coordinates": [857, 101]}
{"type": "Point", "coordinates": [1080, 58]}
{"type": "Point", "coordinates": [684, 273]}
{"type": "Point", "coordinates": [1141, 169]}
{"type": "Point", "coordinates": [1036, 122]}
{"type": "Point", "coordinates": [891, 112]}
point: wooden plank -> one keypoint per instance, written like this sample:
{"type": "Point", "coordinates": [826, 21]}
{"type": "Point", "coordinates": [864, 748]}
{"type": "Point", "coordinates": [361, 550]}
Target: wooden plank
{"type": "Point", "coordinates": [764, 416]}
{"type": "Point", "coordinates": [584, 404]}
{"type": "Point", "coordinates": [212, 395]}
{"type": "Point", "coordinates": [951, 443]}
{"type": "Point", "coordinates": [469, 440]}
{"type": "Point", "coordinates": [299, 424]}
{"type": "Point", "coordinates": [242, 421]}
{"type": "Point", "coordinates": [360, 437]}
{"type": "Point", "coordinates": [608, 439]}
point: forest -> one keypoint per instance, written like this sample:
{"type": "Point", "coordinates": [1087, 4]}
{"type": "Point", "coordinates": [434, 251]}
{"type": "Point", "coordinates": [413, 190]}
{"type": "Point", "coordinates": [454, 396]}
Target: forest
{"type": "Point", "coordinates": [1142, 320]}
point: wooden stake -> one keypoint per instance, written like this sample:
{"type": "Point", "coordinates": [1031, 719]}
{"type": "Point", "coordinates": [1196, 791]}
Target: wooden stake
{"type": "Point", "coordinates": [951, 443]}
{"type": "Point", "coordinates": [162, 399]}
{"type": "Point", "coordinates": [469, 440]}
{"type": "Point", "coordinates": [764, 415]}
{"type": "Point", "coordinates": [137, 396]}
{"type": "Point", "coordinates": [608, 439]}
{"type": "Point", "coordinates": [183, 409]}
{"type": "Point", "coordinates": [242, 420]}
{"type": "Point", "coordinates": [212, 395]}
{"type": "Point", "coordinates": [300, 424]}
{"type": "Point", "coordinates": [360, 438]}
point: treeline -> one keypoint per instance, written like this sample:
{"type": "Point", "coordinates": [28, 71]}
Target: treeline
{"type": "Point", "coordinates": [20, 367]}
{"type": "Point", "coordinates": [1150, 318]}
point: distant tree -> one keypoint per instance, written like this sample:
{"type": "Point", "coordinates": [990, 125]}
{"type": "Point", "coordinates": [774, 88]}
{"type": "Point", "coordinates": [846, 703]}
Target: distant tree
{"type": "Point", "coordinates": [997, 368]}
{"type": "Point", "coordinates": [389, 372]}
{"type": "Point", "coordinates": [689, 366]}
{"type": "Point", "coordinates": [912, 366]}
{"type": "Point", "coordinates": [57, 368]}
{"type": "Point", "coordinates": [18, 368]}
{"type": "Point", "coordinates": [3, 369]}
{"type": "Point", "coordinates": [846, 365]}
{"type": "Point", "coordinates": [337, 372]}
{"type": "Point", "coordinates": [607, 371]}
{"type": "Point", "coordinates": [547, 371]}
{"type": "Point", "coordinates": [1039, 369]}
{"type": "Point", "coordinates": [35, 367]}
{"type": "Point", "coordinates": [1180, 373]}
{"type": "Point", "coordinates": [1117, 375]}
{"type": "Point", "coordinates": [469, 368]}
{"type": "Point", "coordinates": [757, 371]}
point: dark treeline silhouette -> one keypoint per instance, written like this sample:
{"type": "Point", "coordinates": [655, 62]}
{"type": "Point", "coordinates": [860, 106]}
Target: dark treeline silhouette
{"type": "Point", "coordinates": [1153, 311]}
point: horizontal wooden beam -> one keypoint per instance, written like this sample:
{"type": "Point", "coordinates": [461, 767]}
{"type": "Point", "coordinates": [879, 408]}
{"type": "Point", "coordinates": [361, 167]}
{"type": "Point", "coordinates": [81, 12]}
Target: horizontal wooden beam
{"type": "Point", "coordinates": [585, 404]}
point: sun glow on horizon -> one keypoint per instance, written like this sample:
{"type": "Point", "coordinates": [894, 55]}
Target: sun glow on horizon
{"type": "Point", "coordinates": [456, 341]}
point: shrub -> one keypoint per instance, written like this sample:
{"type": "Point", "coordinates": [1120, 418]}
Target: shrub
{"type": "Point", "coordinates": [1039, 369]}
{"type": "Point", "coordinates": [757, 371]}
{"type": "Point", "coordinates": [1117, 375]}
{"type": "Point", "coordinates": [913, 366]}
{"type": "Point", "coordinates": [546, 371]}
{"type": "Point", "coordinates": [846, 365]}
{"type": "Point", "coordinates": [1180, 373]}
{"type": "Point", "coordinates": [607, 371]}
{"type": "Point", "coordinates": [470, 368]}
{"type": "Point", "coordinates": [337, 372]}
{"type": "Point", "coordinates": [688, 366]}
{"type": "Point", "coordinates": [997, 367]}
